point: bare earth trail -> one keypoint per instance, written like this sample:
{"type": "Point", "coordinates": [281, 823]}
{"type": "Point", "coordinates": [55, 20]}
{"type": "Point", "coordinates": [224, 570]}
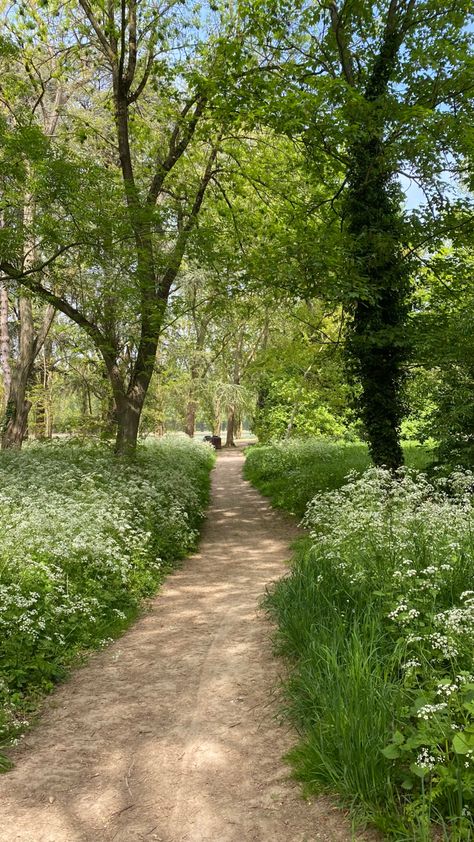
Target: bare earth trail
{"type": "Point", "coordinates": [170, 733]}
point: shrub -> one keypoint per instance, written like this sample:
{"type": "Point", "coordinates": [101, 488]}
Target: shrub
{"type": "Point", "coordinates": [377, 619]}
{"type": "Point", "coordinates": [292, 472]}
{"type": "Point", "coordinates": [85, 536]}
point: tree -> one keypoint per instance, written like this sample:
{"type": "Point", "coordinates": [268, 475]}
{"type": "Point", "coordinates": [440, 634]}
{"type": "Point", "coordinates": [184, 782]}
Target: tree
{"type": "Point", "coordinates": [161, 107]}
{"type": "Point", "coordinates": [373, 90]}
{"type": "Point", "coordinates": [27, 90]}
{"type": "Point", "coordinates": [299, 375]}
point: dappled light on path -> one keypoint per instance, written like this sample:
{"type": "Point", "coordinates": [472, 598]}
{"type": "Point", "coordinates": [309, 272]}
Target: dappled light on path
{"type": "Point", "coordinates": [170, 733]}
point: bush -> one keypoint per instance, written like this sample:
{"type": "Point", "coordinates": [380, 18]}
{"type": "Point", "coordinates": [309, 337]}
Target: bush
{"type": "Point", "coordinates": [377, 619]}
{"type": "Point", "coordinates": [85, 536]}
{"type": "Point", "coordinates": [291, 472]}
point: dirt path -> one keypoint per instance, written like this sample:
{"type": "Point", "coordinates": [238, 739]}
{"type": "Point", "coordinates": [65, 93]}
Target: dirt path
{"type": "Point", "coordinates": [170, 734]}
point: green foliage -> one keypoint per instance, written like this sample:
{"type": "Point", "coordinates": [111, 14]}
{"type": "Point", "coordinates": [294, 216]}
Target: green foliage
{"type": "Point", "coordinates": [292, 472]}
{"type": "Point", "coordinates": [376, 620]}
{"type": "Point", "coordinates": [443, 330]}
{"type": "Point", "coordinates": [84, 538]}
{"type": "Point", "coordinates": [298, 375]}
{"type": "Point", "coordinates": [286, 403]}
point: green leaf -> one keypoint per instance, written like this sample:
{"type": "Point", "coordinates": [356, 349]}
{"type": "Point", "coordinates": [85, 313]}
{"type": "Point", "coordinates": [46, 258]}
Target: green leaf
{"type": "Point", "coordinates": [391, 752]}
{"type": "Point", "coordinates": [463, 742]}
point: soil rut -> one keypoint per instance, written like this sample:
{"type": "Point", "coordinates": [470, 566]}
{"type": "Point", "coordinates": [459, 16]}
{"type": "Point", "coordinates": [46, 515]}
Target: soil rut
{"type": "Point", "coordinates": [170, 733]}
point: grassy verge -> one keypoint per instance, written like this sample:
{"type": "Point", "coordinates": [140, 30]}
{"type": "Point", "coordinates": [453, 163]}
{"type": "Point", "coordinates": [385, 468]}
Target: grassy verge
{"type": "Point", "coordinates": [291, 473]}
{"type": "Point", "coordinates": [376, 621]}
{"type": "Point", "coordinates": [84, 537]}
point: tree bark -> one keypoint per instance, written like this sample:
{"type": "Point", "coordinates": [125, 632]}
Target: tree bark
{"type": "Point", "coordinates": [129, 400]}
{"type": "Point", "coordinates": [377, 342]}
{"type": "Point", "coordinates": [30, 343]}
{"type": "Point", "coordinates": [238, 426]}
{"type": "Point", "coordinates": [217, 424]}
{"type": "Point", "coordinates": [190, 425]}
{"type": "Point", "coordinates": [18, 407]}
{"type": "Point", "coordinates": [128, 423]}
{"type": "Point", "coordinates": [43, 411]}
{"type": "Point", "coordinates": [5, 345]}
{"type": "Point", "coordinates": [229, 440]}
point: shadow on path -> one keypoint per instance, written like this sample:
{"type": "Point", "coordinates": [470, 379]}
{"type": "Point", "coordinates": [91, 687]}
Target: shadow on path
{"type": "Point", "coordinates": [170, 733]}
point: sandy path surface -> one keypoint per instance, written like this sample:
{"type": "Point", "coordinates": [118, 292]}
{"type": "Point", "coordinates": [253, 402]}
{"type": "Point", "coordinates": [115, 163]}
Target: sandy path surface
{"type": "Point", "coordinates": [170, 733]}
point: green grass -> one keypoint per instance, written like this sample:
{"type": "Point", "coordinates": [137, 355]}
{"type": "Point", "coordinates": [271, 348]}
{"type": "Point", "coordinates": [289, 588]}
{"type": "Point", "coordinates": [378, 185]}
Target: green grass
{"type": "Point", "coordinates": [291, 473]}
{"type": "Point", "coordinates": [375, 621]}
{"type": "Point", "coordinates": [340, 695]}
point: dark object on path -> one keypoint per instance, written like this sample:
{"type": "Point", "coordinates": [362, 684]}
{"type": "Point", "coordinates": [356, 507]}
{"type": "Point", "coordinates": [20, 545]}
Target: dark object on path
{"type": "Point", "coordinates": [216, 441]}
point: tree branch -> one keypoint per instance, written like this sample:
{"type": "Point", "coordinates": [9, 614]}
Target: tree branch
{"type": "Point", "coordinates": [106, 46]}
{"type": "Point", "coordinates": [132, 43]}
{"type": "Point", "coordinates": [177, 146]}
{"type": "Point", "coordinates": [58, 303]}
{"type": "Point", "coordinates": [342, 46]}
{"type": "Point", "coordinates": [181, 242]}
{"type": "Point", "coordinates": [146, 75]}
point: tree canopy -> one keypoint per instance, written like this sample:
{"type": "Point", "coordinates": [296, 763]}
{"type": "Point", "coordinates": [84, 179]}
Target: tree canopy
{"type": "Point", "coordinates": [247, 211]}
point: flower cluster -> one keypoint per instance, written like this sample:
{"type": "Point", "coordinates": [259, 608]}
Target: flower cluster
{"type": "Point", "coordinates": [84, 537]}
{"type": "Point", "coordinates": [402, 550]}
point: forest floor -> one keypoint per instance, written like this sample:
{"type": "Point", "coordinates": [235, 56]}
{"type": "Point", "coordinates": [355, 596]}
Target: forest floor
{"type": "Point", "coordinates": [171, 732]}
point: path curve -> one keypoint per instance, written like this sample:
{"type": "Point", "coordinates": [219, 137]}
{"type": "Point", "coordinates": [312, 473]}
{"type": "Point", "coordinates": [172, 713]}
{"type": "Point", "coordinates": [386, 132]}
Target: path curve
{"type": "Point", "coordinates": [170, 733]}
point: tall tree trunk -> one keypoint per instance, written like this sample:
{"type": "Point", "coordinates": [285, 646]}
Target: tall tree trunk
{"type": "Point", "coordinates": [30, 343]}
{"type": "Point", "coordinates": [43, 406]}
{"type": "Point", "coordinates": [40, 419]}
{"type": "Point", "coordinates": [377, 342]}
{"type": "Point", "coordinates": [18, 406]}
{"type": "Point", "coordinates": [192, 405]}
{"type": "Point", "coordinates": [190, 425]}
{"type": "Point", "coordinates": [238, 426]}
{"type": "Point", "coordinates": [229, 441]}
{"type": "Point", "coordinates": [129, 401]}
{"type": "Point", "coordinates": [16, 420]}
{"type": "Point", "coordinates": [5, 345]}
{"type": "Point", "coordinates": [217, 423]}
{"type": "Point", "coordinates": [128, 423]}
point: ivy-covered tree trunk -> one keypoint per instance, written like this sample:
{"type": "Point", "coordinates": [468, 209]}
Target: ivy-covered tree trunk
{"type": "Point", "coordinates": [377, 342]}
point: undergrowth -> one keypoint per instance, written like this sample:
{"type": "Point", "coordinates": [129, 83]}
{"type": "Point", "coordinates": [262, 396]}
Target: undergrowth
{"type": "Point", "coordinates": [85, 537]}
{"type": "Point", "coordinates": [291, 473]}
{"type": "Point", "coordinates": [376, 621]}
